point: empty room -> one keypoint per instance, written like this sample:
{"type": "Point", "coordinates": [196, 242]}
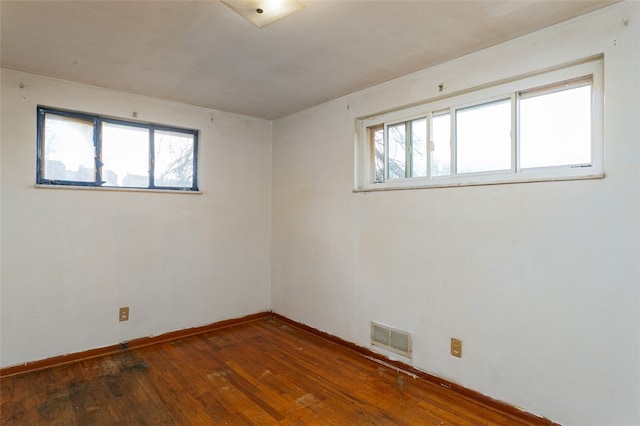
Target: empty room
{"type": "Point", "coordinates": [338, 213]}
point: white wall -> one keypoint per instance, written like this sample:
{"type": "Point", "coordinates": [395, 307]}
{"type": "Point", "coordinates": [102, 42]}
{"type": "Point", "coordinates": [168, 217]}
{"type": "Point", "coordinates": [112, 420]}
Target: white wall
{"type": "Point", "coordinates": [541, 281]}
{"type": "Point", "coordinates": [71, 258]}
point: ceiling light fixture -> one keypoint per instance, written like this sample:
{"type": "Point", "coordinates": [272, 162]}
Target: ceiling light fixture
{"type": "Point", "coordinates": [264, 12]}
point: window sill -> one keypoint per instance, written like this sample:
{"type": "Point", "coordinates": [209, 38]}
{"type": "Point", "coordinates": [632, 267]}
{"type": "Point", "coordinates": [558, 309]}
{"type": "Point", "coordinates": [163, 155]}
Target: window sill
{"type": "Point", "coordinates": [406, 184]}
{"type": "Point", "coordinates": [115, 189]}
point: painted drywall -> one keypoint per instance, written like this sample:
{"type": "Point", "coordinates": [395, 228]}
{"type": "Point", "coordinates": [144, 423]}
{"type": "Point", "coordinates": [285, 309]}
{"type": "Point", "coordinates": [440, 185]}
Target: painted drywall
{"type": "Point", "coordinates": [71, 258]}
{"type": "Point", "coordinates": [540, 281]}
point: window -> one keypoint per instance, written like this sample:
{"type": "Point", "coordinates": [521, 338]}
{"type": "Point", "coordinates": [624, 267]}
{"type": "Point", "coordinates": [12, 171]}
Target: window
{"type": "Point", "coordinates": [88, 150]}
{"type": "Point", "coordinates": [483, 137]}
{"type": "Point", "coordinates": [543, 127]}
{"type": "Point", "coordinates": [555, 126]}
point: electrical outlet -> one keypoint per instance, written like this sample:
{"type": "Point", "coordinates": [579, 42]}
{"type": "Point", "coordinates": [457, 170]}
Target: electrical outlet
{"type": "Point", "coordinates": [124, 313]}
{"type": "Point", "coordinates": [456, 347]}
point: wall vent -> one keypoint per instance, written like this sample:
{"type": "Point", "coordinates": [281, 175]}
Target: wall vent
{"type": "Point", "coordinates": [391, 339]}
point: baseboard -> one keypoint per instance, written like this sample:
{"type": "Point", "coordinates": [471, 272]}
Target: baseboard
{"type": "Point", "coordinates": [132, 344]}
{"type": "Point", "coordinates": [500, 406]}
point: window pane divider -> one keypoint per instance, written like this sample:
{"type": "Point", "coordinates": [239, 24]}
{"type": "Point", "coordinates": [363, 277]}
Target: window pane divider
{"type": "Point", "coordinates": [515, 137]}
{"type": "Point", "coordinates": [408, 149]}
{"type": "Point", "coordinates": [152, 155]}
{"type": "Point", "coordinates": [453, 147]}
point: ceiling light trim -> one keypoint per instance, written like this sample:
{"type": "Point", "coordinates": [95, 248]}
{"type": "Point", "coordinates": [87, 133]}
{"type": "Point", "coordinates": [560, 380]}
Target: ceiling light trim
{"type": "Point", "coordinates": [264, 12]}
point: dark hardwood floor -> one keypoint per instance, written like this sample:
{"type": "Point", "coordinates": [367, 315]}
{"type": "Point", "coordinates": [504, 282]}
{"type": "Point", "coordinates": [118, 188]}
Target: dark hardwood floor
{"type": "Point", "coordinates": [260, 373]}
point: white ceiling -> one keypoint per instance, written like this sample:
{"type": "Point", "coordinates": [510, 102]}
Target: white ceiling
{"type": "Point", "coordinates": [203, 53]}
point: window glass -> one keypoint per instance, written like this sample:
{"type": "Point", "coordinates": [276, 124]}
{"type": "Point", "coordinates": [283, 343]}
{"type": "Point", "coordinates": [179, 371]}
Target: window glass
{"type": "Point", "coordinates": [441, 145]}
{"type": "Point", "coordinates": [419, 147]}
{"type": "Point", "coordinates": [555, 128]}
{"type": "Point", "coordinates": [173, 159]}
{"type": "Point", "coordinates": [377, 136]}
{"type": "Point", "coordinates": [125, 155]}
{"type": "Point", "coordinates": [397, 150]}
{"type": "Point", "coordinates": [483, 137]}
{"type": "Point", "coordinates": [69, 151]}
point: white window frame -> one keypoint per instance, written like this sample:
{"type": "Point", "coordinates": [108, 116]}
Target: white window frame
{"type": "Point", "coordinates": [365, 151]}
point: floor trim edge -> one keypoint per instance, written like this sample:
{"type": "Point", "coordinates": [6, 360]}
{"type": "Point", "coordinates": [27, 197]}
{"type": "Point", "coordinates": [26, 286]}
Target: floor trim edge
{"type": "Point", "coordinates": [498, 405]}
{"type": "Point", "coordinates": [56, 361]}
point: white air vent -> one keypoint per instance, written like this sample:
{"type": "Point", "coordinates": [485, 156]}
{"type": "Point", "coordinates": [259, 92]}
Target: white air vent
{"type": "Point", "coordinates": [391, 339]}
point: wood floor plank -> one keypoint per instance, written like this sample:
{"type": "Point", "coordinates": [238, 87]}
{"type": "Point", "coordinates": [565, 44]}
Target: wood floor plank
{"type": "Point", "coordinates": [263, 372]}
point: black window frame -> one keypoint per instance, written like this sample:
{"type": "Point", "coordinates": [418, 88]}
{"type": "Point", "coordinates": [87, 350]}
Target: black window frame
{"type": "Point", "coordinates": [97, 121]}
